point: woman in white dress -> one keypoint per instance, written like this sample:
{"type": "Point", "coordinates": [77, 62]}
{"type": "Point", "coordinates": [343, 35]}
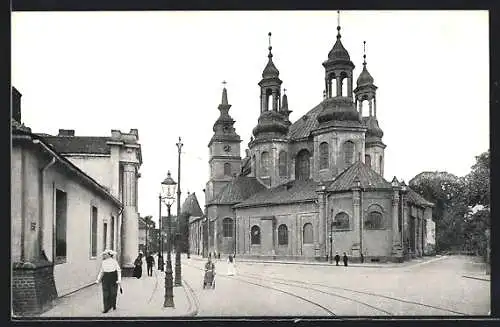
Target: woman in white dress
{"type": "Point", "coordinates": [230, 266]}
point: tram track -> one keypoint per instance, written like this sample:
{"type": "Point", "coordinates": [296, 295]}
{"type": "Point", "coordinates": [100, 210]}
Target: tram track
{"type": "Point", "coordinates": [375, 295]}
{"type": "Point", "coordinates": [328, 311]}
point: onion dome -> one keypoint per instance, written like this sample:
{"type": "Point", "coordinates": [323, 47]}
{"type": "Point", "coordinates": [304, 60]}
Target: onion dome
{"type": "Point", "coordinates": [364, 78]}
{"type": "Point", "coordinates": [270, 71]}
{"type": "Point", "coordinates": [338, 108]}
{"type": "Point", "coordinates": [338, 51]}
{"type": "Point", "coordinates": [373, 129]}
{"type": "Point", "coordinates": [271, 123]}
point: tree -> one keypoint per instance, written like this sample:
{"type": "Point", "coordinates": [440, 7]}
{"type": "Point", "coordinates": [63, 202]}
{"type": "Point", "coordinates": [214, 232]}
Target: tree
{"type": "Point", "coordinates": [446, 191]}
{"type": "Point", "coordinates": [478, 182]}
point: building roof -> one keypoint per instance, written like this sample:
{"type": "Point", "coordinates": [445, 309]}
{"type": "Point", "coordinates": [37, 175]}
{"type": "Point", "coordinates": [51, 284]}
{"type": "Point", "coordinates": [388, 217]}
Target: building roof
{"type": "Point", "coordinates": [416, 199]}
{"type": "Point", "coordinates": [369, 179]}
{"type": "Point", "coordinates": [238, 190]}
{"type": "Point", "coordinates": [304, 125]}
{"type": "Point", "coordinates": [79, 144]}
{"type": "Point", "coordinates": [290, 192]}
{"type": "Point", "coordinates": [191, 206]}
{"type": "Point", "coordinates": [20, 134]}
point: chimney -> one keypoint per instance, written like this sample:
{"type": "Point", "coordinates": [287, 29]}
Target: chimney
{"type": "Point", "coordinates": [66, 132]}
{"type": "Point", "coordinates": [16, 104]}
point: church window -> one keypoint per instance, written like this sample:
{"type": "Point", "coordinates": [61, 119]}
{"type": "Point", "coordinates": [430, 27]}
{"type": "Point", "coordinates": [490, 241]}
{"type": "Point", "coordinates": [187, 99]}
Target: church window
{"type": "Point", "coordinates": [227, 227]}
{"type": "Point", "coordinates": [341, 221]}
{"type": "Point", "coordinates": [61, 225]}
{"type": "Point", "coordinates": [227, 169]}
{"type": "Point", "coordinates": [264, 164]}
{"type": "Point", "coordinates": [348, 148]}
{"type": "Point", "coordinates": [255, 234]}
{"type": "Point", "coordinates": [282, 235]}
{"type": "Point", "coordinates": [344, 81]}
{"type": "Point", "coordinates": [308, 234]}
{"type": "Point", "coordinates": [323, 155]}
{"type": "Point", "coordinates": [282, 164]}
{"type": "Point", "coordinates": [302, 169]}
{"type": "Point", "coordinates": [374, 219]}
{"type": "Point", "coordinates": [368, 160]}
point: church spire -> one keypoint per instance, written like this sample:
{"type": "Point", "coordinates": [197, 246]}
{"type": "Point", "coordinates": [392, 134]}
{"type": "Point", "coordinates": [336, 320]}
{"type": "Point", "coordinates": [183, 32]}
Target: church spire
{"type": "Point", "coordinates": [223, 126]}
{"type": "Point", "coordinates": [224, 94]}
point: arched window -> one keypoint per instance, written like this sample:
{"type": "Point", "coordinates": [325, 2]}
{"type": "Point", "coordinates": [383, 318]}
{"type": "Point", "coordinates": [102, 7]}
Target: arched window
{"type": "Point", "coordinates": [348, 149]}
{"type": "Point", "coordinates": [344, 81]}
{"type": "Point", "coordinates": [282, 164]}
{"type": "Point", "coordinates": [264, 164]}
{"type": "Point", "coordinates": [270, 99]}
{"type": "Point", "coordinates": [255, 235]}
{"type": "Point", "coordinates": [227, 169]}
{"type": "Point", "coordinates": [341, 221]}
{"type": "Point", "coordinates": [374, 219]}
{"type": "Point", "coordinates": [308, 234]}
{"type": "Point", "coordinates": [227, 227]}
{"type": "Point", "coordinates": [282, 235]}
{"type": "Point", "coordinates": [368, 160]}
{"type": "Point", "coordinates": [302, 169]}
{"type": "Point", "coordinates": [323, 156]}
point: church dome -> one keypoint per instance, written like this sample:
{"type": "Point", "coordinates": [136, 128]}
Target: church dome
{"type": "Point", "coordinates": [373, 129]}
{"type": "Point", "coordinates": [338, 52]}
{"type": "Point", "coordinates": [339, 109]}
{"type": "Point", "coordinates": [270, 70]}
{"type": "Point", "coordinates": [271, 123]}
{"type": "Point", "coordinates": [364, 78]}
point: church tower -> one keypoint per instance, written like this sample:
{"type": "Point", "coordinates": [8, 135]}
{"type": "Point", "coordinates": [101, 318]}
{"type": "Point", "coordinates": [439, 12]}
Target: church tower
{"type": "Point", "coordinates": [339, 138]}
{"type": "Point", "coordinates": [365, 93]}
{"type": "Point", "coordinates": [224, 151]}
{"type": "Point", "coordinates": [269, 147]}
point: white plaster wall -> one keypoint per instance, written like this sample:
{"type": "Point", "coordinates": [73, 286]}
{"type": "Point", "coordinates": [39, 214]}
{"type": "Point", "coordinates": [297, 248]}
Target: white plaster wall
{"type": "Point", "coordinates": [99, 168]}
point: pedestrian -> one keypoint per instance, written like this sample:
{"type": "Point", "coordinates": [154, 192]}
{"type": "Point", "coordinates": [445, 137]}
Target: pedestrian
{"type": "Point", "coordinates": [138, 266]}
{"type": "Point", "coordinates": [345, 259]}
{"type": "Point", "coordinates": [210, 255]}
{"type": "Point", "coordinates": [150, 262]}
{"type": "Point", "coordinates": [111, 276]}
{"type": "Point", "coordinates": [230, 266]}
{"type": "Point", "coordinates": [337, 258]}
{"type": "Point", "coordinates": [218, 255]}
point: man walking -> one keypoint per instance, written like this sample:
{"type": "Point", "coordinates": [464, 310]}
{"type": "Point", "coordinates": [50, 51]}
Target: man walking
{"type": "Point", "coordinates": [150, 262]}
{"type": "Point", "coordinates": [345, 259]}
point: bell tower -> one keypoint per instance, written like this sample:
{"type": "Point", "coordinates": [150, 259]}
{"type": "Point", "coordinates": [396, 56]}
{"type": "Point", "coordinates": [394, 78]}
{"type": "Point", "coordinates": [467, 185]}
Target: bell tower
{"type": "Point", "coordinates": [224, 151]}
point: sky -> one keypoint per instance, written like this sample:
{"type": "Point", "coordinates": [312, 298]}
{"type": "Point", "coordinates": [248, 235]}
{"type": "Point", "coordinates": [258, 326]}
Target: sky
{"type": "Point", "coordinates": [161, 72]}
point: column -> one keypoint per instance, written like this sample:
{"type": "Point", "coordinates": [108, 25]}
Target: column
{"type": "Point", "coordinates": [262, 101]}
{"type": "Point", "coordinates": [357, 224]}
{"type": "Point", "coordinates": [130, 234]}
{"type": "Point", "coordinates": [216, 241]}
{"type": "Point", "coordinates": [349, 86]}
{"type": "Point", "coordinates": [374, 106]}
{"type": "Point", "coordinates": [370, 105]}
{"type": "Point", "coordinates": [339, 86]}
{"type": "Point", "coordinates": [396, 242]}
{"type": "Point", "coordinates": [360, 104]}
{"type": "Point", "coordinates": [322, 222]}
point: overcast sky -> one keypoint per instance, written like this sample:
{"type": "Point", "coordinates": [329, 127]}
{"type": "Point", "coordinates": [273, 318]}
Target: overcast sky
{"type": "Point", "coordinates": [161, 72]}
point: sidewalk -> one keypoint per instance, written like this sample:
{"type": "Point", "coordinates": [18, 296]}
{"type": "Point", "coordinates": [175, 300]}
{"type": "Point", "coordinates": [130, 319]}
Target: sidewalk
{"type": "Point", "coordinates": [141, 297]}
{"type": "Point", "coordinates": [413, 262]}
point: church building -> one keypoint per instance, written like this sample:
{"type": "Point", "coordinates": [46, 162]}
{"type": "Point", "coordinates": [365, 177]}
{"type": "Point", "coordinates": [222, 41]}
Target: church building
{"type": "Point", "coordinates": [314, 187]}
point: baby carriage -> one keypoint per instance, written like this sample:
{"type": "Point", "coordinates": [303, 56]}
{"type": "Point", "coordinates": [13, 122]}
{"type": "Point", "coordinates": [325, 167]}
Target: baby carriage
{"type": "Point", "coordinates": [209, 276]}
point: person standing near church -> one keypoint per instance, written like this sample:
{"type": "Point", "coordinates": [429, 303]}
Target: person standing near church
{"type": "Point", "coordinates": [111, 276]}
{"type": "Point", "coordinates": [337, 258]}
{"type": "Point", "coordinates": [230, 266]}
{"type": "Point", "coordinates": [138, 266]}
{"type": "Point", "coordinates": [345, 259]}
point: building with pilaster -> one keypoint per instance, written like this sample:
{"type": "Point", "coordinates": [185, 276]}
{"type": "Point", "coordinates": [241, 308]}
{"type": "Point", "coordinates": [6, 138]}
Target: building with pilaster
{"type": "Point", "coordinates": [314, 187]}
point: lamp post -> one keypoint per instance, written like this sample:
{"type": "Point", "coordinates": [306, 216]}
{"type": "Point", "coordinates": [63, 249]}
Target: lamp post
{"type": "Point", "coordinates": [177, 250]}
{"type": "Point", "coordinates": [168, 188]}
{"type": "Point", "coordinates": [331, 244]}
{"type": "Point", "coordinates": [160, 236]}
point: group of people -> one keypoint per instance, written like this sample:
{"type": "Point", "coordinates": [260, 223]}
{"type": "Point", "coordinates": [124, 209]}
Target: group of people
{"type": "Point", "coordinates": [150, 262]}
{"type": "Point", "coordinates": [337, 259]}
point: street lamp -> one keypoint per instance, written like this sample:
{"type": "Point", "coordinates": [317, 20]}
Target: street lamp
{"type": "Point", "coordinates": [168, 189]}
{"type": "Point", "coordinates": [177, 250]}
{"type": "Point", "coordinates": [331, 243]}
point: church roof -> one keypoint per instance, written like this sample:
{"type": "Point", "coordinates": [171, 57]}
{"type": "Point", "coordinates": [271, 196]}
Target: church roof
{"type": "Point", "coordinates": [78, 144]}
{"type": "Point", "coordinates": [305, 124]}
{"type": "Point", "coordinates": [191, 206]}
{"type": "Point", "coordinates": [415, 198]}
{"type": "Point", "coordinates": [290, 192]}
{"type": "Point", "coordinates": [240, 188]}
{"type": "Point", "coordinates": [368, 178]}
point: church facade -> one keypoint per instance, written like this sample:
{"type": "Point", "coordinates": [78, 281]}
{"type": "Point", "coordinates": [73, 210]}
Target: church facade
{"type": "Point", "coordinates": [314, 187]}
